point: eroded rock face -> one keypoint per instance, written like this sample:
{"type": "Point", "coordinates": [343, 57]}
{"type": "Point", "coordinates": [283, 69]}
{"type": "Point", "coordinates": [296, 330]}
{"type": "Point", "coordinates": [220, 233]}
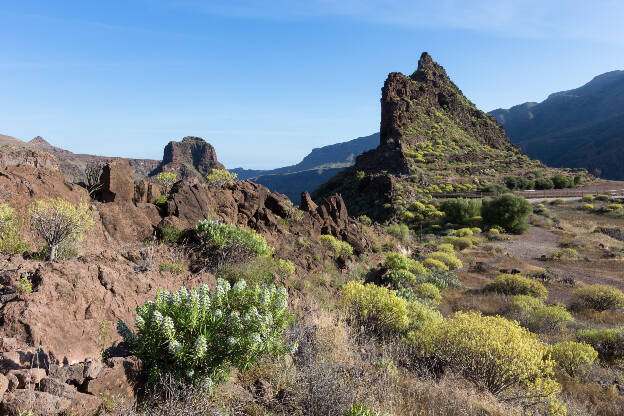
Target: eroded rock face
{"type": "Point", "coordinates": [117, 182]}
{"type": "Point", "coordinates": [21, 156]}
{"type": "Point", "coordinates": [192, 156]}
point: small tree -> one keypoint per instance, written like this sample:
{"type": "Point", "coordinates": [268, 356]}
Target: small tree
{"type": "Point", "coordinates": [167, 179]}
{"type": "Point", "coordinates": [221, 177]}
{"type": "Point", "coordinates": [508, 211]}
{"type": "Point", "coordinates": [58, 221]}
{"type": "Point", "coordinates": [461, 211]}
{"type": "Point", "coordinates": [93, 173]}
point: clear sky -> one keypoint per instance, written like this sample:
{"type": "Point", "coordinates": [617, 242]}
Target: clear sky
{"type": "Point", "coordinates": [266, 81]}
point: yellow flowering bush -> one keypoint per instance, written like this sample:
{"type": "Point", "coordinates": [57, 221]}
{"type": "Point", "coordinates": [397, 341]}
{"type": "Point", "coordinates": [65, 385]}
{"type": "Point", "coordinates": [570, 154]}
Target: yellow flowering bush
{"type": "Point", "coordinates": [533, 314]}
{"type": "Point", "coordinates": [336, 246]}
{"type": "Point", "coordinates": [375, 307]}
{"type": "Point", "coordinates": [59, 222]}
{"type": "Point", "coordinates": [516, 284]}
{"type": "Point", "coordinates": [446, 248]}
{"type": "Point", "coordinates": [221, 177]}
{"type": "Point", "coordinates": [449, 260]}
{"type": "Point", "coordinates": [10, 239]}
{"type": "Point", "coordinates": [399, 261]}
{"type": "Point", "coordinates": [463, 232]}
{"type": "Point", "coordinates": [573, 356]}
{"type": "Point", "coordinates": [599, 297]}
{"type": "Point", "coordinates": [428, 292]}
{"type": "Point", "coordinates": [489, 350]}
{"type": "Point", "coordinates": [434, 264]}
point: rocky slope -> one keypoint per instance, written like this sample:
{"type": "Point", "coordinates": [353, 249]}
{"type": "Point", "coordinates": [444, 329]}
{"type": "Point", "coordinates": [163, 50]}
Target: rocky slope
{"type": "Point", "coordinates": [433, 140]}
{"type": "Point", "coordinates": [580, 128]}
{"type": "Point", "coordinates": [315, 169]}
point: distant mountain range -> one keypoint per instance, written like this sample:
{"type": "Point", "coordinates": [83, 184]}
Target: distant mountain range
{"type": "Point", "coordinates": [582, 128]}
{"type": "Point", "coordinates": [315, 169]}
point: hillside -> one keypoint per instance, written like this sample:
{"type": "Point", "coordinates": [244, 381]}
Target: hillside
{"type": "Point", "coordinates": [433, 141]}
{"type": "Point", "coordinates": [580, 128]}
{"type": "Point", "coordinates": [315, 169]}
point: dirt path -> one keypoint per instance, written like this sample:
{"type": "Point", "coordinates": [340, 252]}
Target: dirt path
{"type": "Point", "coordinates": [531, 245]}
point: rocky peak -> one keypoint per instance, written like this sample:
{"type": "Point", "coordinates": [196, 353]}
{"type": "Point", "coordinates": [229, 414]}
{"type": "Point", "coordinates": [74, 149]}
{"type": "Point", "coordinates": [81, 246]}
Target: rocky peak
{"type": "Point", "coordinates": [429, 70]}
{"type": "Point", "coordinates": [39, 141]}
{"type": "Point", "coordinates": [192, 156]}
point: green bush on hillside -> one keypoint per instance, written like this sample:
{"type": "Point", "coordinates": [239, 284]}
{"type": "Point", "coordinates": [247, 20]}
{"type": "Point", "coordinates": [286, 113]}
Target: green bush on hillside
{"type": "Point", "coordinates": [336, 246]}
{"type": "Point", "coordinates": [533, 314]}
{"type": "Point", "coordinates": [168, 234]}
{"type": "Point", "coordinates": [573, 357]}
{"type": "Point", "coordinates": [399, 261]}
{"type": "Point", "coordinates": [488, 350]}
{"type": "Point", "coordinates": [232, 244]}
{"type": "Point", "coordinates": [608, 342]}
{"type": "Point", "coordinates": [561, 181]}
{"type": "Point", "coordinates": [598, 297]}
{"type": "Point", "coordinates": [197, 336]}
{"type": "Point", "coordinates": [10, 224]}
{"type": "Point", "coordinates": [507, 211]}
{"type": "Point", "coordinates": [516, 284]}
{"type": "Point", "coordinates": [544, 183]}
{"type": "Point", "coordinates": [461, 211]}
{"type": "Point", "coordinates": [448, 259]}
{"type": "Point", "coordinates": [401, 232]}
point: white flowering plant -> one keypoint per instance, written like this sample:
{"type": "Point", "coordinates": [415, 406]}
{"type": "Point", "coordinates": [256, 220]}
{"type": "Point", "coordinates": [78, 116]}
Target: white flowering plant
{"type": "Point", "coordinates": [197, 335]}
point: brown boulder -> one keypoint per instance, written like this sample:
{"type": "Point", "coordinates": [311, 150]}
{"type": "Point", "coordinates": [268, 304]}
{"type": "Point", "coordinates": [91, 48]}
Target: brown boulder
{"type": "Point", "coordinates": [28, 377]}
{"type": "Point", "coordinates": [191, 157]}
{"type": "Point", "coordinates": [147, 192]}
{"type": "Point", "coordinates": [117, 183]}
{"type": "Point", "coordinates": [117, 379]}
{"type": "Point", "coordinates": [4, 386]}
{"type": "Point", "coordinates": [39, 403]}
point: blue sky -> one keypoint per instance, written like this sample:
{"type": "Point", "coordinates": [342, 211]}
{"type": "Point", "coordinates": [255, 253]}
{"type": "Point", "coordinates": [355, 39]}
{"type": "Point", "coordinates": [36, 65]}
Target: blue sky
{"type": "Point", "coordinates": [265, 82]}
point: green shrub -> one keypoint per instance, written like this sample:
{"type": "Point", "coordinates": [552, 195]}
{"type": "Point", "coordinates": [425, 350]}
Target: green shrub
{"type": "Point", "coordinates": [168, 234]}
{"type": "Point", "coordinates": [533, 314]}
{"type": "Point", "coordinates": [10, 238]}
{"type": "Point", "coordinates": [23, 285]}
{"type": "Point", "coordinates": [336, 246]}
{"type": "Point", "coordinates": [515, 284]}
{"type": "Point", "coordinates": [59, 222]}
{"type": "Point", "coordinates": [544, 183]}
{"type": "Point", "coordinates": [161, 201]}
{"type": "Point", "coordinates": [173, 268]}
{"type": "Point", "coordinates": [232, 244]}
{"type": "Point", "coordinates": [400, 276]}
{"type": "Point", "coordinates": [519, 183]}
{"type": "Point", "coordinates": [446, 248]}
{"type": "Point", "coordinates": [587, 198]}
{"type": "Point", "coordinates": [614, 207]}
{"type": "Point", "coordinates": [434, 264]}
{"type": "Point", "coordinates": [442, 279]}
{"type": "Point", "coordinates": [567, 253]}
{"type": "Point", "coordinates": [561, 182]}
{"type": "Point", "coordinates": [573, 356]}
{"type": "Point", "coordinates": [461, 211]}
{"type": "Point", "coordinates": [401, 232]}
{"type": "Point", "coordinates": [358, 409]}
{"type": "Point", "coordinates": [286, 267]}
{"type": "Point", "coordinates": [365, 219]}
{"type": "Point", "coordinates": [608, 342]}
{"type": "Point", "coordinates": [488, 350]}
{"type": "Point", "coordinates": [377, 308]}
{"type": "Point", "coordinates": [197, 336]}
{"type": "Point", "coordinates": [449, 260]}
{"type": "Point", "coordinates": [598, 297]}
{"type": "Point", "coordinates": [399, 261]}
{"type": "Point", "coordinates": [588, 207]}
{"type": "Point", "coordinates": [507, 211]}
{"type": "Point", "coordinates": [428, 293]}
{"type": "Point", "coordinates": [221, 177]}
{"type": "Point", "coordinates": [463, 232]}
{"type": "Point", "coordinates": [460, 243]}
{"type": "Point", "coordinates": [558, 201]}
{"type": "Point", "coordinates": [602, 197]}
{"type": "Point", "coordinates": [167, 179]}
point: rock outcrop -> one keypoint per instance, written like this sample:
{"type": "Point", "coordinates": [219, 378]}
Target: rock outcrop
{"type": "Point", "coordinates": [191, 157]}
{"type": "Point", "coordinates": [20, 156]}
{"type": "Point", "coordinates": [117, 183]}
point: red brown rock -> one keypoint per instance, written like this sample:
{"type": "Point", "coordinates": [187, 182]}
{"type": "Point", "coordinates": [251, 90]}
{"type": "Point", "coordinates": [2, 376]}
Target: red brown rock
{"type": "Point", "coordinates": [117, 182]}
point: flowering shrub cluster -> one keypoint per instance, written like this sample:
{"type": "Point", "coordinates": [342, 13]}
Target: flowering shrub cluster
{"type": "Point", "coordinates": [535, 315]}
{"type": "Point", "coordinates": [516, 284]}
{"type": "Point", "coordinates": [197, 335]}
{"type": "Point", "coordinates": [490, 351]}
{"type": "Point", "coordinates": [399, 261]}
{"type": "Point", "coordinates": [221, 177]}
{"type": "Point", "coordinates": [10, 239]}
{"type": "Point", "coordinates": [336, 246]}
{"type": "Point", "coordinates": [383, 311]}
{"type": "Point", "coordinates": [449, 260]}
{"type": "Point", "coordinates": [599, 297]}
{"type": "Point", "coordinates": [608, 342]}
{"type": "Point", "coordinates": [573, 356]}
{"type": "Point", "coordinates": [232, 244]}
